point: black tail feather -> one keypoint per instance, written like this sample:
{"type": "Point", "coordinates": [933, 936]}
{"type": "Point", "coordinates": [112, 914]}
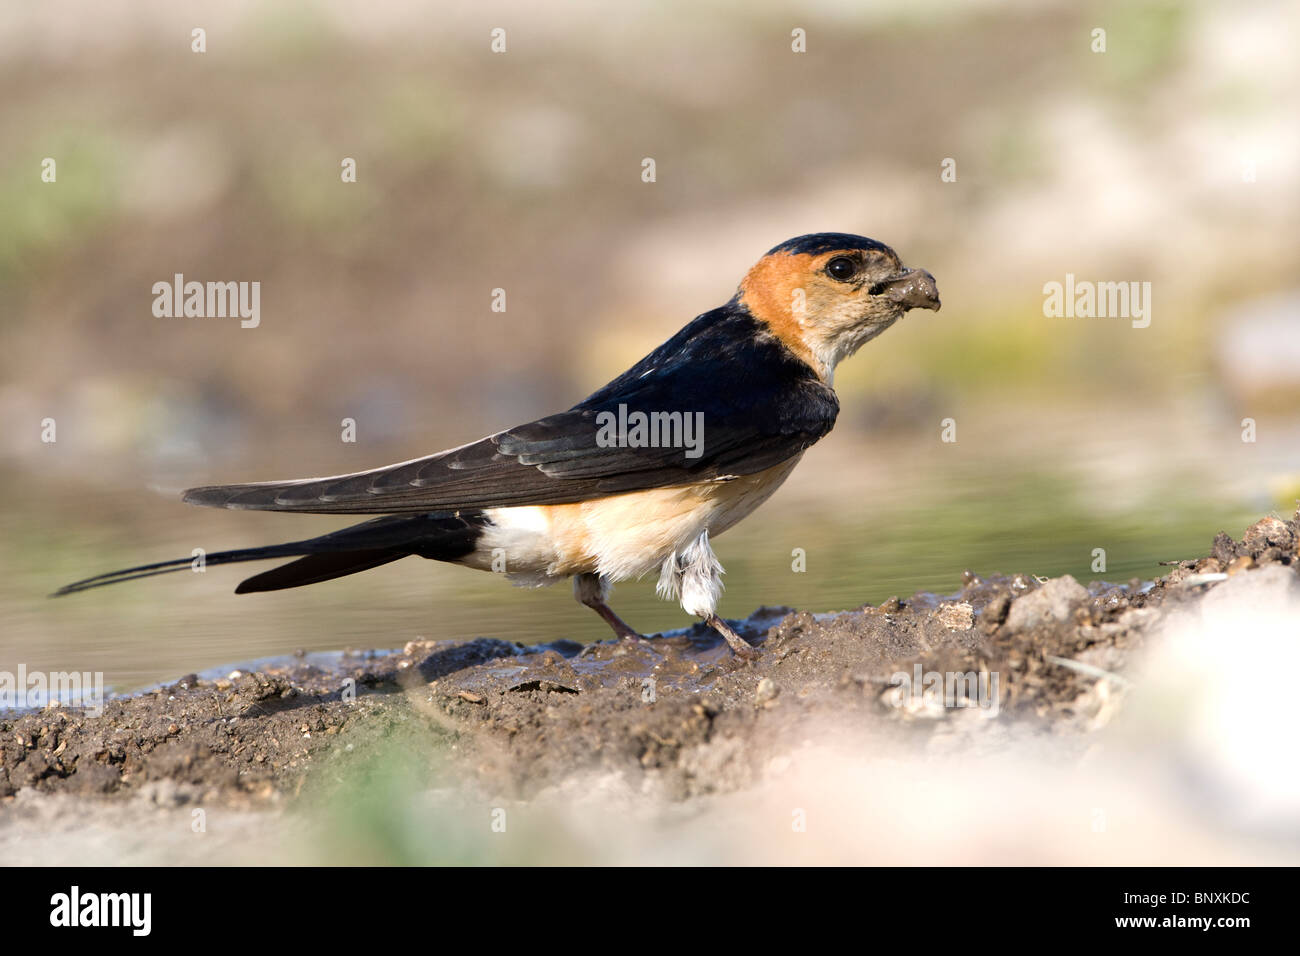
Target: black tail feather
{"type": "Point", "coordinates": [315, 568]}
{"type": "Point", "coordinates": [443, 537]}
{"type": "Point", "coordinates": [180, 564]}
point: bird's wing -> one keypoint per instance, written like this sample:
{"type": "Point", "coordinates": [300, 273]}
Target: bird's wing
{"type": "Point", "coordinates": [759, 407]}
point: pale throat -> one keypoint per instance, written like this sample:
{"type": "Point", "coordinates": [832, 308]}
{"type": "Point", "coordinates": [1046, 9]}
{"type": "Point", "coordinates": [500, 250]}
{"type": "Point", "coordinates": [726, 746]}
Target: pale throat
{"type": "Point", "coordinates": [831, 350]}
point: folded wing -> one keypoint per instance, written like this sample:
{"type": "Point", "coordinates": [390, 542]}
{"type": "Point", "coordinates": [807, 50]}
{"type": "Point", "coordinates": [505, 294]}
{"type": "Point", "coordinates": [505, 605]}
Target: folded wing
{"type": "Point", "coordinates": [758, 406]}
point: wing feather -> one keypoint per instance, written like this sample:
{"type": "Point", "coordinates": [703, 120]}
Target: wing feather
{"type": "Point", "coordinates": [760, 404]}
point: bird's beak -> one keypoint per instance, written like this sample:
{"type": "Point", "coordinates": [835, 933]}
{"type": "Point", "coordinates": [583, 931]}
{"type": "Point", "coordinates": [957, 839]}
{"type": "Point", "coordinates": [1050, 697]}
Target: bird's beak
{"type": "Point", "coordinates": [914, 289]}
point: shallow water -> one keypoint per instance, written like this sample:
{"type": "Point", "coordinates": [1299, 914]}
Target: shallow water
{"type": "Point", "coordinates": [868, 528]}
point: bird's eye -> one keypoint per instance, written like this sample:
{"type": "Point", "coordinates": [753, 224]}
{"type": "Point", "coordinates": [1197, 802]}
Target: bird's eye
{"type": "Point", "coordinates": [842, 268]}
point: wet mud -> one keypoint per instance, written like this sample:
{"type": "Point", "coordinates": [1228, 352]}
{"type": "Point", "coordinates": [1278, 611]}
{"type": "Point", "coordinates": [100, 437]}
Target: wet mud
{"type": "Point", "coordinates": [678, 711]}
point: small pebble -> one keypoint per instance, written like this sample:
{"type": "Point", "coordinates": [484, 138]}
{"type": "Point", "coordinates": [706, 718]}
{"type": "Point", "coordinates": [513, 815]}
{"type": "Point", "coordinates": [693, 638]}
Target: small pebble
{"type": "Point", "coordinates": [766, 692]}
{"type": "Point", "coordinates": [956, 617]}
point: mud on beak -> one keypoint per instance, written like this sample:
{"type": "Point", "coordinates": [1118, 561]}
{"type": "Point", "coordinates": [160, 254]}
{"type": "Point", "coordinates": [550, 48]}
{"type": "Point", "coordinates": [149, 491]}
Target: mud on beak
{"type": "Point", "coordinates": [914, 289]}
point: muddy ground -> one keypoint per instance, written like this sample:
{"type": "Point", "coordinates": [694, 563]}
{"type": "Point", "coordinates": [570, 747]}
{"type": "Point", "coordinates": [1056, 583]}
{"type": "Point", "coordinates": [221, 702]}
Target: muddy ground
{"type": "Point", "coordinates": [677, 715]}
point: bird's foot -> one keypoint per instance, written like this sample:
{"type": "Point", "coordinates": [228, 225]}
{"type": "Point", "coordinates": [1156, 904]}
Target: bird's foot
{"type": "Point", "coordinates": [620, 627]}
{"type": "Point", "coordinates": [739, 646]}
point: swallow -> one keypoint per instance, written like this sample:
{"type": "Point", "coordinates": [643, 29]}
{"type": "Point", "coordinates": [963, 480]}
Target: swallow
{"type": "Point", "coordinates": [635, 479]}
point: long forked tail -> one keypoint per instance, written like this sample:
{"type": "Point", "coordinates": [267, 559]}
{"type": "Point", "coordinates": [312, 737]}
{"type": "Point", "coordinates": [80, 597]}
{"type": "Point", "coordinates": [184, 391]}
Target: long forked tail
{"type": "Point", "coordinates": [441, 536]}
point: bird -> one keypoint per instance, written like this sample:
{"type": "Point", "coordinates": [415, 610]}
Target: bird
{"type": "Point", "coordinates": [637, 478]}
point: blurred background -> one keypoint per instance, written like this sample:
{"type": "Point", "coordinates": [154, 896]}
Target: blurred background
{"type": "Point", "coordinates": [1169, 158]}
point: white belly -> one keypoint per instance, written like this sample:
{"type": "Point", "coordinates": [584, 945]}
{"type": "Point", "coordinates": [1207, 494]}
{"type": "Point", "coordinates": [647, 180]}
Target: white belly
{"type": "Point", "coordinates": [619, 537]}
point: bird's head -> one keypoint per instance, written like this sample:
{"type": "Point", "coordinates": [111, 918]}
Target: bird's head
{"type": "Point", "coordinates": [824, 295]}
